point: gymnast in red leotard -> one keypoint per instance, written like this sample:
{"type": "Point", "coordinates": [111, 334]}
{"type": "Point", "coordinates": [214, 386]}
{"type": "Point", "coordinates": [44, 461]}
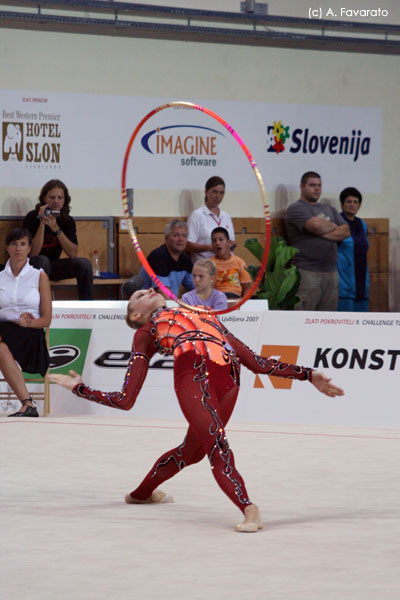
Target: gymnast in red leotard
{"type": "Point", "coordinates": [207, 361]}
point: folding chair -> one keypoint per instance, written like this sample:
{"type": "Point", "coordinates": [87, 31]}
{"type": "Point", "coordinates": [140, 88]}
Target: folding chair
{"type": "Point", "coordinates": [43, 395]}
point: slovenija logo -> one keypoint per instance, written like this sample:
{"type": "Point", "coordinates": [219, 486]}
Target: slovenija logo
{"type": "Point", "coordinates": [309, 141]}
{"type": "Point", "coordinates": [277, 136]}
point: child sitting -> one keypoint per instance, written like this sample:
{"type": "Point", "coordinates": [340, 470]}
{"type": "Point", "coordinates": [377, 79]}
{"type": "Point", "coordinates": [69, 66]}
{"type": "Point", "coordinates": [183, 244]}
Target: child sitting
{"type": "Point", "coordinates": [204, 273]}
{"type": "Point", "coordinates": [232, 277]}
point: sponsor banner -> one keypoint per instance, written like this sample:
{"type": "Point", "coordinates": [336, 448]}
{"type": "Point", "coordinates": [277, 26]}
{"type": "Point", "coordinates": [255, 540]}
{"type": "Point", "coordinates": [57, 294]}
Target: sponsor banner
{"type": "Point", "coordinates": [360, 352]}
{"type": "Point", "coordinates": [68, 349]}
{"type": "Point", "coordinates": [82, 138]}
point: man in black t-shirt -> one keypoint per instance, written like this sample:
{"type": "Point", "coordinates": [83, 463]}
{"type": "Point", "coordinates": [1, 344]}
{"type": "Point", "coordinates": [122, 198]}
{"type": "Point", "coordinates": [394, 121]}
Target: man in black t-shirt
{"type": "Point", "coordinates": [53, 231]}
{"type": "Point", "coordinates": [170, 263]}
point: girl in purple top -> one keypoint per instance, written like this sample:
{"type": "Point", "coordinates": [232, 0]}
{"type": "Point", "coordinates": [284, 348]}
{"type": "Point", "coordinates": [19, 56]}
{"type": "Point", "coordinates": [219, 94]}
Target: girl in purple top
{"type": "Point", "coordinates": [204, 275]}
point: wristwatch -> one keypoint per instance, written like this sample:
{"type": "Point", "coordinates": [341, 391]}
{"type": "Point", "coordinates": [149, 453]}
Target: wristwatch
{"type": "Point", "coordinates": [58, 232]}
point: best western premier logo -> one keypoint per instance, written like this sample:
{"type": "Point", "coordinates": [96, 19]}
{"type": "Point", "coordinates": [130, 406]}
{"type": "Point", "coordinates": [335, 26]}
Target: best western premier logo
{"type": "Point", "coordinates": [308, 141]}
{"type": "Point", "coordinates": [196, 145]}
{"type": "Point", "coordinates": [32, 139]}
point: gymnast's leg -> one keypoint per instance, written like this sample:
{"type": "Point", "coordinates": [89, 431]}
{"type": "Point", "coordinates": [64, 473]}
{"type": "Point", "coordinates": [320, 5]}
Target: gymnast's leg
{"type": "Point", "coordinates": [169, 464]}
{"type": "Point", "coordinates": [189, 452]}
{"type": "Point", "coordinates": [199, 385]}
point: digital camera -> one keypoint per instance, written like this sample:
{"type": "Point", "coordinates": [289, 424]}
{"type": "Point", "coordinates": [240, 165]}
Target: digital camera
{"type": "Point", "coordinates": [48, 212]}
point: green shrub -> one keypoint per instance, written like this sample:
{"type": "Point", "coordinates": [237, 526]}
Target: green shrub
{"type": "Point", "coordinates": [280, 282]}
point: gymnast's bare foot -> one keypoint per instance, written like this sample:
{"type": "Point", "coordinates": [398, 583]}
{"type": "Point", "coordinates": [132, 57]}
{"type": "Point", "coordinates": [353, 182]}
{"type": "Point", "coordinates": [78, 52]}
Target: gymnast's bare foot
{"type": "Point", "coordinates": [157, 497]}
{"type": "Point", "coordinates": [252, 520]}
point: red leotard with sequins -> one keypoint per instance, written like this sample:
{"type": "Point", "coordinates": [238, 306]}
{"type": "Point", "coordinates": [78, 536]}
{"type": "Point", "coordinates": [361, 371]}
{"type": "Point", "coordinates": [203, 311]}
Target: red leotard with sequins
{"type": "Point", "coordinates": [206, 378]}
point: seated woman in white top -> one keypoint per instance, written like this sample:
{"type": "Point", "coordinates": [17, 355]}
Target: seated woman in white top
{"type": "Point", "coordinates": [25, 308]}
{"type": "Point", "coordinates": [206, 218]}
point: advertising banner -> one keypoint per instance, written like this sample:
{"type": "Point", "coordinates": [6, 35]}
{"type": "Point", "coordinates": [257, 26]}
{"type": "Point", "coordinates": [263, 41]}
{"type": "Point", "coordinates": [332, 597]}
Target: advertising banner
{"type": "Point", "coordinates": [359, 351]}
{"type": "Point", "coordinates": [82, 139]}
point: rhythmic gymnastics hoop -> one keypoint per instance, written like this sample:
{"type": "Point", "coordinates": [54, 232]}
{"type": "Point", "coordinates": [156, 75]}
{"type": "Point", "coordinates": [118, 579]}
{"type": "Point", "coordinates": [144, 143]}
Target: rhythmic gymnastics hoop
{"type": "Point", "coordinates": [129, 219]}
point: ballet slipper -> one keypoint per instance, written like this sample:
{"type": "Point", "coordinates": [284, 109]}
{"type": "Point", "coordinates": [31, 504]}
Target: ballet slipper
{"type": "Point", "coordinates": [157, 497]}
{"type": "Point", "coordinates": [252, 520]}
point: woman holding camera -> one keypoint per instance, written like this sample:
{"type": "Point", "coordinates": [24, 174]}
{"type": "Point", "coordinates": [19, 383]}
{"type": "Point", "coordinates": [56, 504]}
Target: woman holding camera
{"type": "Point", "coordinates": [53, 230]}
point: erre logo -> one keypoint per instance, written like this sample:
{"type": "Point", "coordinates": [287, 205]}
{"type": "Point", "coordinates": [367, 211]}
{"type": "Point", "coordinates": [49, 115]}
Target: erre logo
{"type": "Point", "coordinates": [286, 354]}
{"type": "Point", "coordinates": [68, 348]}
{"type": "Point", "coordinates": [113, 359]}
{"type": "Point", "coordinates": [62, 355]}
{"type": "Point", "coordinates": [119, 359]}
{"type": "Point", "coordinates": [355, 358]}
{"type": "Point", "coordinates": [307, 141]}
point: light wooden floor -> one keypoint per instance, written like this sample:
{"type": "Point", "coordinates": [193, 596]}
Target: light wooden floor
{"type": "Point", "coordinates": [329, 497]}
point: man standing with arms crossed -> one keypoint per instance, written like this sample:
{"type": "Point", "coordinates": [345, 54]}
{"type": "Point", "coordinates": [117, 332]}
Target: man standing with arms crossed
{"type": "Point", "coordinates": [315, 230]}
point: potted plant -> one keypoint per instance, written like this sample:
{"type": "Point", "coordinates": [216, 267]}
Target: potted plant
{"type": "Point", "coordinates": [281, 280]}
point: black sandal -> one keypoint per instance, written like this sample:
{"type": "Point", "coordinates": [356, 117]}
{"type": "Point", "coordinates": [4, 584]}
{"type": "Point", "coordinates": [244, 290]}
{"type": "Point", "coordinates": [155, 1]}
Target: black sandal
{"type": "Point", "coordinates": [31, 411]}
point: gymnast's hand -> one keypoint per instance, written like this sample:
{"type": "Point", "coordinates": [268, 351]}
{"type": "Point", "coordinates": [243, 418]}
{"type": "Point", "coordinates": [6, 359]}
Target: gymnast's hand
{"type": "Point", "coordinates": [68, 381]}
{"type": "Point", "coordinates": [324, 385]}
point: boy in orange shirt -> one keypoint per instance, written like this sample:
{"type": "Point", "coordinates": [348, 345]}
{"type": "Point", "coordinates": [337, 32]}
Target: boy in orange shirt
{"type": "Point", "coordinates": [232, 277]}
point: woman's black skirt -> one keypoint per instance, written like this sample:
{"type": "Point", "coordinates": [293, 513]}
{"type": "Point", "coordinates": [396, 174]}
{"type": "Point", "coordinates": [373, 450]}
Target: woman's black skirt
{"type": "Point", "coordinates": [27, 345]}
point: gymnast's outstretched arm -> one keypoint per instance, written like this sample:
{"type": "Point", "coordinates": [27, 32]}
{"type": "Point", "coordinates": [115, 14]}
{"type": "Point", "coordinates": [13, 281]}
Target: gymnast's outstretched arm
{"type": "Point", "coordinates": [142, 350]}
{"type": "Point", "coordinates": [270, 366]}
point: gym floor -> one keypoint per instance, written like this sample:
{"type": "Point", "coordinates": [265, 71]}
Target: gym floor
{"type": "Point", "coordinates": [329, 497]}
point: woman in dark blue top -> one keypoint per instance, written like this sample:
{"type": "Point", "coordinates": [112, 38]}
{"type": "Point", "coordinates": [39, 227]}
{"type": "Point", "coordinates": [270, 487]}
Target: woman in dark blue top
{"type": "Point", "coordinates": [352, 256]}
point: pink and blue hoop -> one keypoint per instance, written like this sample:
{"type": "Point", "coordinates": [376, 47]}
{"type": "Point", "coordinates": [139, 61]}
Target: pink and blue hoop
{"type": "Point", "coordinates": [129, 219]}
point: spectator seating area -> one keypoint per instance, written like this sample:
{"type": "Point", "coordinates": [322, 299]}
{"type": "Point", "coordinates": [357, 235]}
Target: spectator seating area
{"type": "Point", "coordinates": [110, 237]}
{"type": "Point", "coordinates": [94, 233]}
